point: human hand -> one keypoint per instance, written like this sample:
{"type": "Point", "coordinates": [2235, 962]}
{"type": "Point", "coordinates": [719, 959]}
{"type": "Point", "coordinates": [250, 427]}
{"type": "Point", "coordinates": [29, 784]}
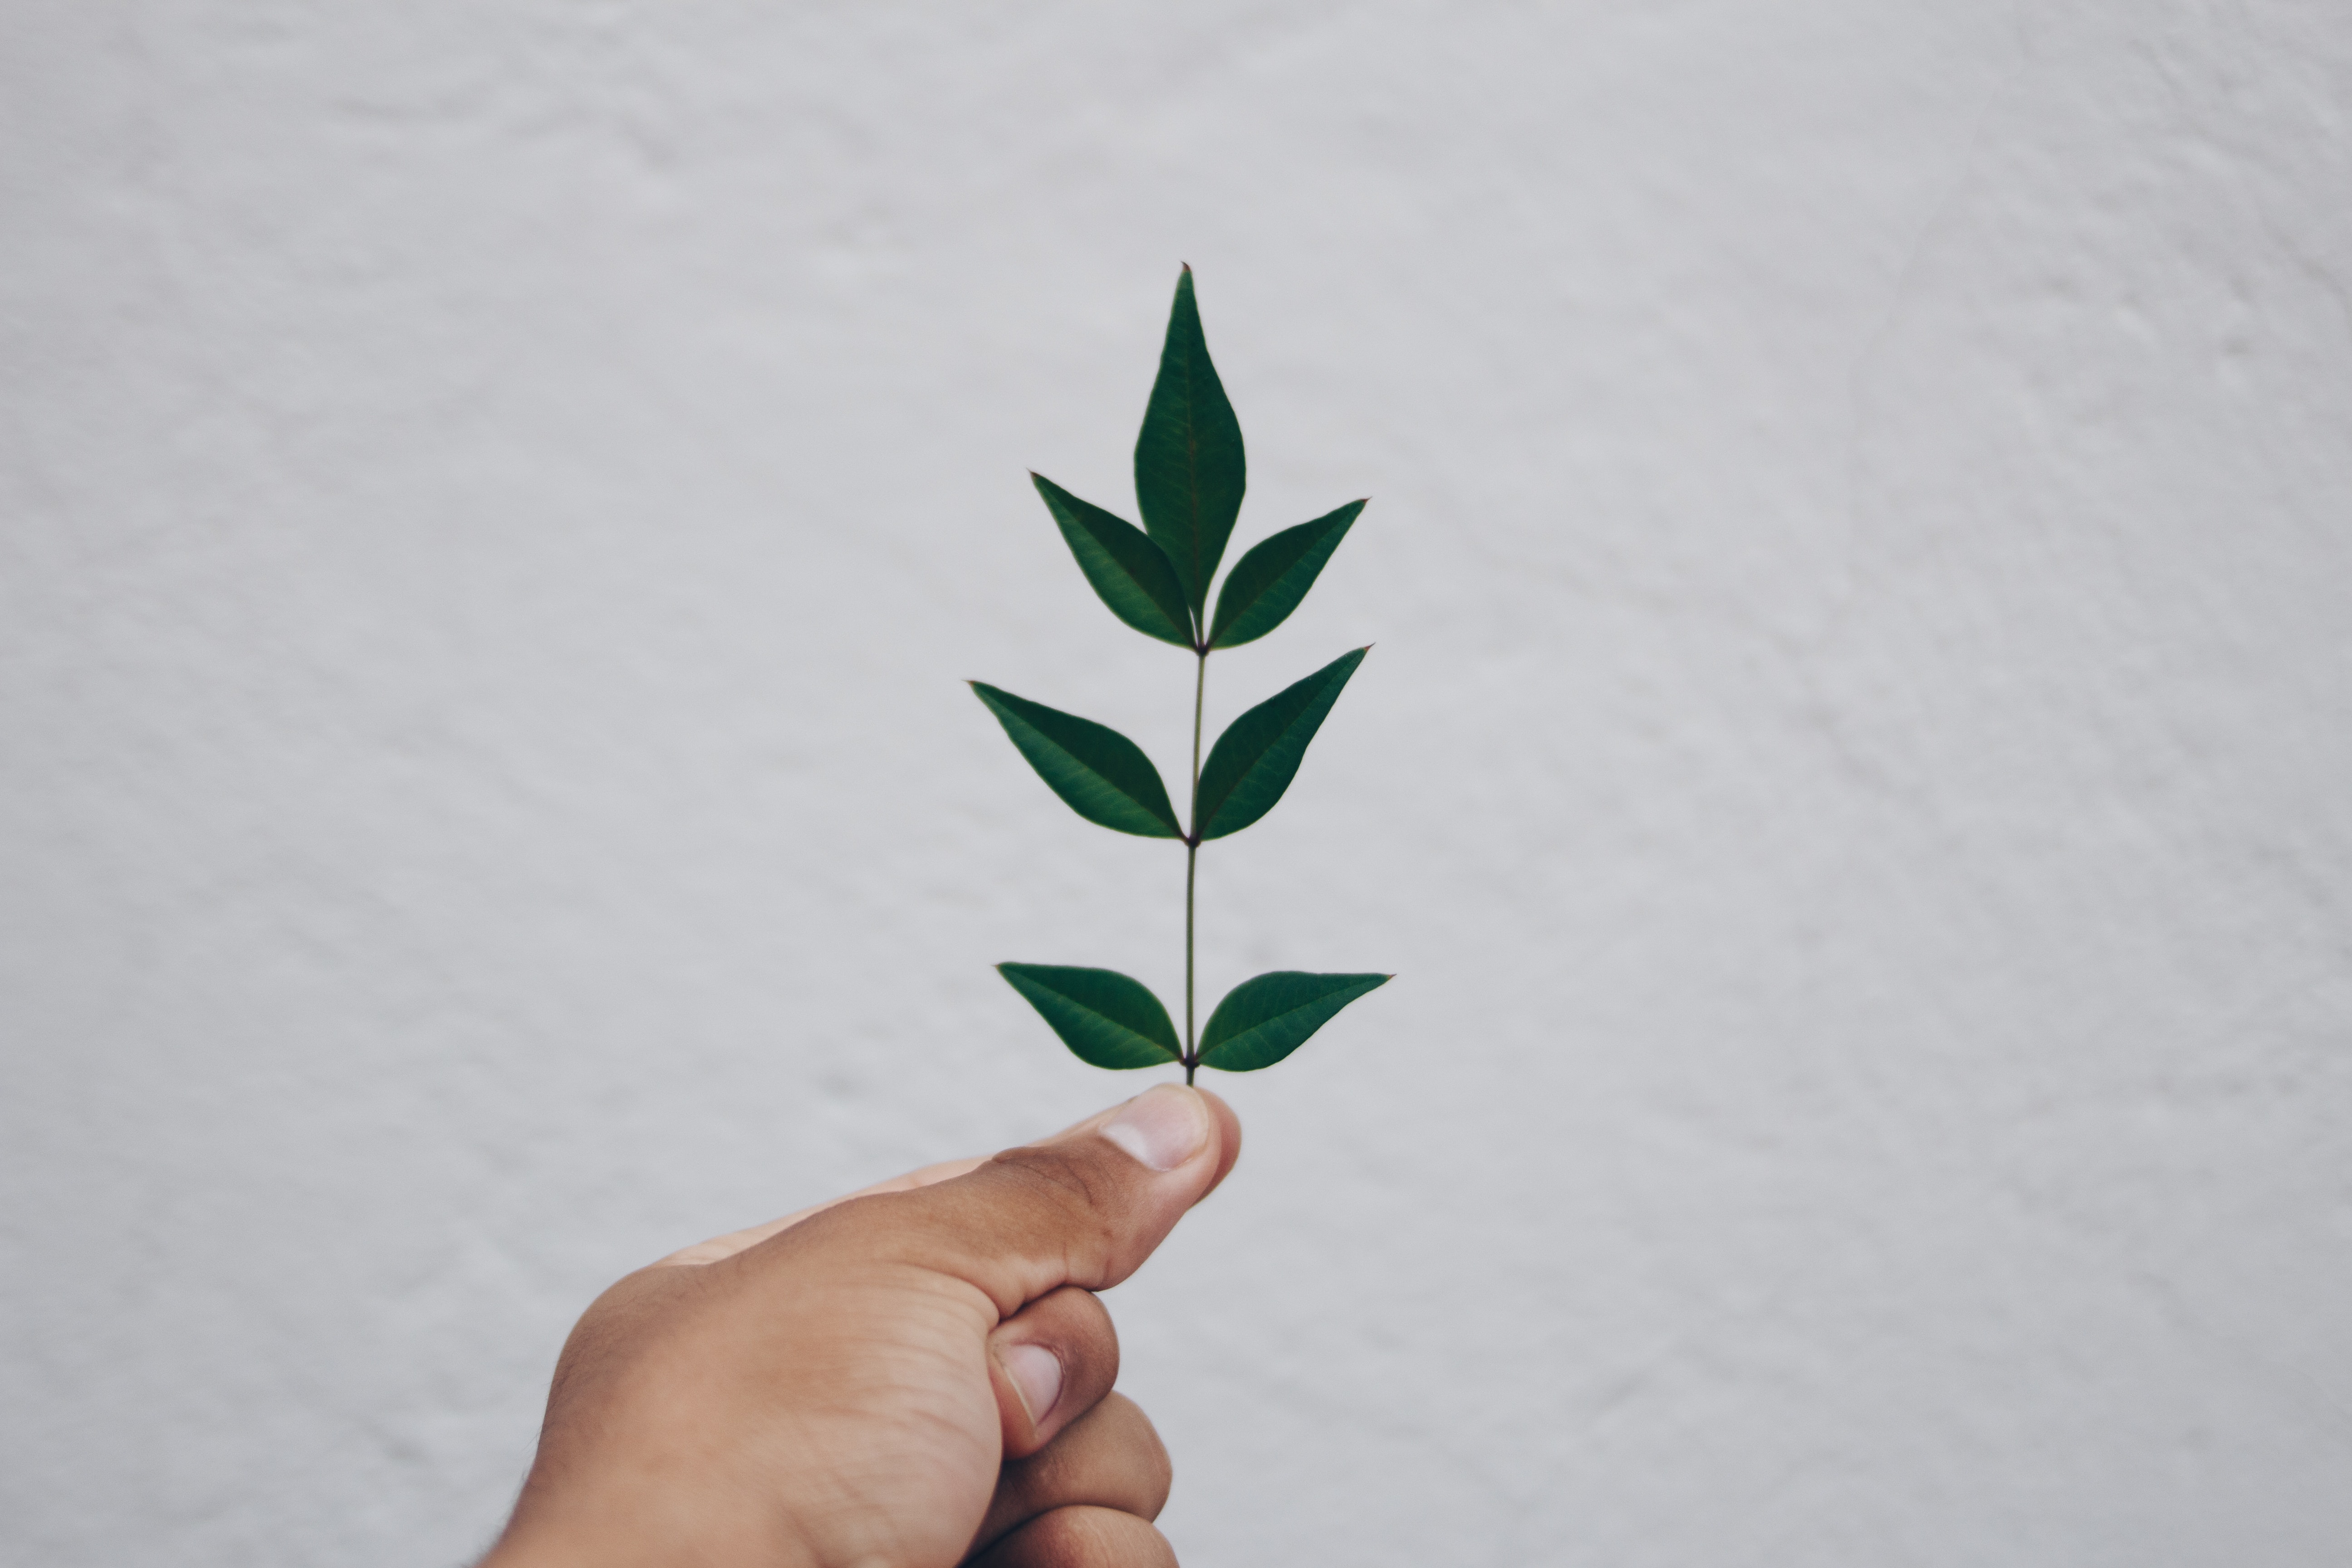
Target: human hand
{"type": "Point", "coordinates": [917, 1376]}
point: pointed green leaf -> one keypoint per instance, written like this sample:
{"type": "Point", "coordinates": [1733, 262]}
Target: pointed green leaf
{"type": "Point", "coordinates": [1266, 585]}
{"type": "Point", "coordinates": [1256, 757]}
{"type": "Point", "coordinates": [1132, 574]}
{"type": "Point", "coordinates": [1261, 1021]}
{"type": "Point", "coordinates": [1103, 775]}
{"type": "Point", "coordinates": [1189, 472]}
{"type": "Point", "coordinates": [1102, 1016]}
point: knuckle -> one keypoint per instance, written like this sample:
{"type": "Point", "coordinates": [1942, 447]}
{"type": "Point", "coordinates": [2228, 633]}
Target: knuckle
{"type": "Point", "coordinates": [1145, 1452]}
{"type": "Point", "coordinates": [1081, 1537]}
{"type": "Point", "coordinates": [1073, 1188]}
{"type": "Point", "coordinates": [1162, 1468]}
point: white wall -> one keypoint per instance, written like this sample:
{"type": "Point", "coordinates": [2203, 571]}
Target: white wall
{"type": "Point", "coordinates": [496, 501]}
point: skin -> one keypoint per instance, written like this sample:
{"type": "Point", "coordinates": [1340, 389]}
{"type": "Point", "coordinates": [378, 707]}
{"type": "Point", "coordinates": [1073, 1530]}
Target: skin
{"type": "Point", "coordinates": [914, 1376]}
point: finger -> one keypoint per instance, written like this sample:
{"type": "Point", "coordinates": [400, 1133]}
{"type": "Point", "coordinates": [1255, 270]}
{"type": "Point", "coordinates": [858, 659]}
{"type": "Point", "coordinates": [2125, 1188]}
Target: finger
{"type": "Point", "coordinates": [1108, 1458]}
{"type": "Point", "coordinates": [735, 1241]}
{"type": "Point", "coordinates": [1229, 1139]}
{"type": "Point", "coordinates": [1051, 1361]}
{"type": "Point", "coordinates": [1084, 1208]}
{"type": "Point", "coordinates": [1081, 1538]}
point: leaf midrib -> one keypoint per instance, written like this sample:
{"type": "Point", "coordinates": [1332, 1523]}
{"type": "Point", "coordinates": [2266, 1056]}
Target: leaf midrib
{"type": "Point", "coordinates": [1199, 595]}
{"type": "Point", "coordinates": [1276, 1018]}
{"type": "Point", "coordinates": [1091, 771]}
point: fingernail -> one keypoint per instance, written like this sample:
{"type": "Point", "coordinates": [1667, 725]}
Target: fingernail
{"type": "Point", "coordinates": [1036, 1375]}
{"type": "Point", "coordinates": [1162, 1127]}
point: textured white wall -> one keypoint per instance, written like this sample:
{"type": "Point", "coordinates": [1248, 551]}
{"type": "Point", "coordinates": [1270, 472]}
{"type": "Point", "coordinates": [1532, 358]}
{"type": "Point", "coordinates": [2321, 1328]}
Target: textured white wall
{"type": "Point", "coordinates": [496, 501]}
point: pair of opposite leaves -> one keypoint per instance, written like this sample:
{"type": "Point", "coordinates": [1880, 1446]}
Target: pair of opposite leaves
{"type": "Point", "coordinates": [1189, 478]}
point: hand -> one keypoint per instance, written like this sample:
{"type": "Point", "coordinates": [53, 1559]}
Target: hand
{"type": "Point", "coordinates": [915, 1376]}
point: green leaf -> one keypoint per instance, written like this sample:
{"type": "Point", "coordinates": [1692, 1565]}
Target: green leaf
{"type": "Point", "coordinates": [1132, 574]}
{"type": "Point", "coordinates": [1102, 1016]}
{"type": "Point", "coordinates": [1189, 472]}
{"type": "Point", "coordinates": [1103, 775]}
{"type": "Point", "coordinates": [1266, 585]}
{"type": "Point", "coordinates": [1261, 1021]}
{"type": "Point", "coordinates": [1256, 757]}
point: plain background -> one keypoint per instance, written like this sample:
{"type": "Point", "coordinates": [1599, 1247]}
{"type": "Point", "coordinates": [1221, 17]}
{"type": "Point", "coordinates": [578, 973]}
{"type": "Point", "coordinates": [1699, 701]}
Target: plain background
{"type": "Point", "coordinates": [496, 501]}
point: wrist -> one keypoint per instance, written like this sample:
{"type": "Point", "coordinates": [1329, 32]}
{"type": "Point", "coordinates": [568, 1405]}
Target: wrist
{"type": "Point", "coordinates": [644, 1531]}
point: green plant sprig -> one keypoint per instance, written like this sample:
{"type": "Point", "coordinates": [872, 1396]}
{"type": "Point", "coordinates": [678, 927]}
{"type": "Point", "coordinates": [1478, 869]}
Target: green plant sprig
{"type": "Point", "coordinates": [1189, 478]}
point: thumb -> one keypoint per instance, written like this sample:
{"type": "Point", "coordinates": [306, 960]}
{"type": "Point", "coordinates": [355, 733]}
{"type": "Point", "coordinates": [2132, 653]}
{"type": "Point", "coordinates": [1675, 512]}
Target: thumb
{"type": "Point", "coordinates": [1085, 1208]}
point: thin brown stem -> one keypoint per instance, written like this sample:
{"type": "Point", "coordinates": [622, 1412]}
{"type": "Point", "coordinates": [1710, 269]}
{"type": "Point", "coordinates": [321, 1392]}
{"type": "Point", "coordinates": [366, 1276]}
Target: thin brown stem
{"type": "Point", "coordinates": [1192, 863]}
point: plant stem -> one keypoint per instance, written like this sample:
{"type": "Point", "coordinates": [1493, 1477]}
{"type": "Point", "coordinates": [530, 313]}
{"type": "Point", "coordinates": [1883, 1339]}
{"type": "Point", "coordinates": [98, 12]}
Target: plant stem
{"type": "Point", "coordinates": [1192, 863]}
{"type": "Point", "coordinates": [1192, 1056]}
